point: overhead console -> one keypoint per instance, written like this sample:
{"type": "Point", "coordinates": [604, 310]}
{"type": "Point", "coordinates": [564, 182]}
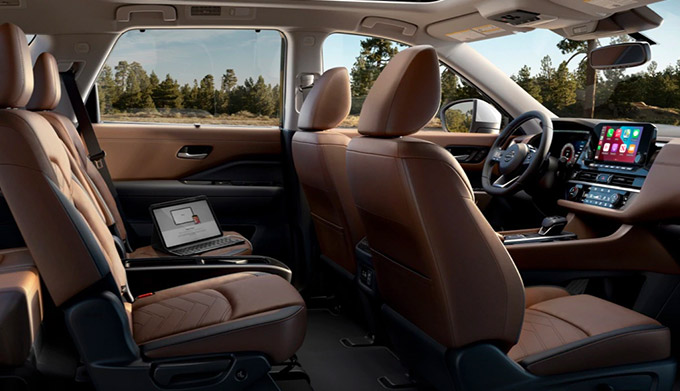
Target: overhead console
{"type": "Point", "coordinates": [613, 168]}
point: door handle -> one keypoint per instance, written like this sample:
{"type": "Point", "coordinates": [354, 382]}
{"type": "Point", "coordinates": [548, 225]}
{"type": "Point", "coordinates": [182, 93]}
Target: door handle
{"type": "Point", "coordinates": [194, 152]}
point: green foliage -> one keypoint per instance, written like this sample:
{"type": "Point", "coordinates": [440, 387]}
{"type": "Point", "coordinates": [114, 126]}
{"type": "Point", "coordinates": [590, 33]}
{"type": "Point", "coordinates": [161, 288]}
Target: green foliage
{"type": "Point", "coordinates": [128, 88]}
{"type": "Point", "coordinates": [374, 55]}
{"type": "Point", "coordinates": [652, 94]}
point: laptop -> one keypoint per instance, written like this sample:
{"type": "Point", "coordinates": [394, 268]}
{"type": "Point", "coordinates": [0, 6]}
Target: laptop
{"type": "Point", "coordinates": [188, 227]}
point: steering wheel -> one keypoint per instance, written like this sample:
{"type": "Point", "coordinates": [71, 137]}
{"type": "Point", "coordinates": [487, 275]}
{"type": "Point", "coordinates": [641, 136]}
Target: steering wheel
{"type": "Point", "coordinates": [519, 162]}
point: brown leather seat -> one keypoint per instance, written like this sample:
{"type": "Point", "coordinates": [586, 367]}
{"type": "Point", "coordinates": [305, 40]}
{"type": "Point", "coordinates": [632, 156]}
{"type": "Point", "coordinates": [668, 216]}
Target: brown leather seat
{"type": "Point", "coordinates": [76, 256]}
{"type": "Point", "coordinates": [441, 266]}
{"type": "Point", "coordinates": [319, 156]}
{"type": "Point", "coordinates": [45, 98]}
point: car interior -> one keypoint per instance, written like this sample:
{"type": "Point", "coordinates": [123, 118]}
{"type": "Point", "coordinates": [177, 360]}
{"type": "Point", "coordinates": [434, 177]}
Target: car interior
{"type": "Point", "coordinates": [339, 194]}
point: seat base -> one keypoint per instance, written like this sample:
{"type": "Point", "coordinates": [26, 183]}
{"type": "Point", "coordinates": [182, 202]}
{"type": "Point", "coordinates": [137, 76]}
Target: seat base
{"type": "Point", "coordinates": [485, 367]}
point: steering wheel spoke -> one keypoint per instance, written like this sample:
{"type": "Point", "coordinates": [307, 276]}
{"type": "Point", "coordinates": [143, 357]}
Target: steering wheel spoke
{"type": "Point", "coordinates": [531, 155]}
{"type": "Point", "coordinates": [504, 181]}
{"type": "Point", "coordinates": [497, 155]}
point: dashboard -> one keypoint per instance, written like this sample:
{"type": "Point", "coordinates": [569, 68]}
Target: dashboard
{"type": "Point", "coordinates": [604, 165]}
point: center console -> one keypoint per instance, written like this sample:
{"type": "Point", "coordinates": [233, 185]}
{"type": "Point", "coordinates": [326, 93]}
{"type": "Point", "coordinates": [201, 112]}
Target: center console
{"type": "Point", "coordinates": [613, 167]}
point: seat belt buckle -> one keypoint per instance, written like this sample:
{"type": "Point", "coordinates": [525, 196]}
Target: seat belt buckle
{"type": "Point", "coordinates": [98, 159]}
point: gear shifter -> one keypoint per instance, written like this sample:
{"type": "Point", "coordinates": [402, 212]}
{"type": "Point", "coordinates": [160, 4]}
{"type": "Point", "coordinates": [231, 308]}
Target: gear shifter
{"type": "Point", "coordinates": [552, 226]}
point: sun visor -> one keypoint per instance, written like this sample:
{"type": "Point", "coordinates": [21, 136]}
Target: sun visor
{"type": "Point", "coordinates": [470, 28]}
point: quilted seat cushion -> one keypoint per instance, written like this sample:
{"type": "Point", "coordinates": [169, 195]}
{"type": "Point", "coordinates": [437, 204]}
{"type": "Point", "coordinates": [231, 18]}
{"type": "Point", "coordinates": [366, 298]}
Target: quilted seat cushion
{"type": "Point", "coordinates": [238, 312]}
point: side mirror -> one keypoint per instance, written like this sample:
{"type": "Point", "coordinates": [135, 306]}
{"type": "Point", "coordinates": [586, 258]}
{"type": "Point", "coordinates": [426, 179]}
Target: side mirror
{"type": "Point", "coordinates": [470, 115]}
{"type": "Point", "coordinates": [623, 55]}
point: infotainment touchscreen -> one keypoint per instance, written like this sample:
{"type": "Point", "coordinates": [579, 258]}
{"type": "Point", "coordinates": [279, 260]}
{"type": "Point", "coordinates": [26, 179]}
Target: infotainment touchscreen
{"type": "Point", "coordinates": [624, 143]}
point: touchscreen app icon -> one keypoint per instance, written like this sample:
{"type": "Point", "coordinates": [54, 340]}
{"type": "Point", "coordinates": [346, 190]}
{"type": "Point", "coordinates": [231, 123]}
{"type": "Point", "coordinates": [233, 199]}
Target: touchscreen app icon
{"type": "Point", "coordinates": [610, 132]}
{"type": "Point", "coordinates": [626, 133]}
{"type": "Point", "coordinates": [615, 147]}
{"type": "Point", "coordinates": [606, 147]}
{"type": "Point", "coordinates": [623, 148]}
{"type": "Point", "coordinates": [636, 133]}
{"type": "Point", "coordinates": [618, 133]}
{"type": "Point", "coordinates": [631, 148]}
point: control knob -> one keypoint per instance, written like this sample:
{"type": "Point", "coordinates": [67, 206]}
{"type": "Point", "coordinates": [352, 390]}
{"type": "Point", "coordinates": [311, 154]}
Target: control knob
{"type": "Point", "coordinates": [616, 199]}
{"type": "Point", "coordinates": [574, 193]}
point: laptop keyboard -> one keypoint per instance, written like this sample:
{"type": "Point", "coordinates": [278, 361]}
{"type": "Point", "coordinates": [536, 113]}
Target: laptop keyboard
{"type": "Point", "coordinates": [224, 241]}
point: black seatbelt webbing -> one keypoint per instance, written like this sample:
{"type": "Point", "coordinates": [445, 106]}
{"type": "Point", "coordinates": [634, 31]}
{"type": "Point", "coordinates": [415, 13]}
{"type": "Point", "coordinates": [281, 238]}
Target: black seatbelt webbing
{"type": "Point", "coordinates": [97, 156]}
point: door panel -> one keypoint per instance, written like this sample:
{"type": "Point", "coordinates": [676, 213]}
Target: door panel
{"type": "Point", "coordinates": [241, 175]}
{"type": "Point", "coordinates": [149, 151]}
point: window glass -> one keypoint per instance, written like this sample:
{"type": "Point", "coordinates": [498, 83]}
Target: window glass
{"type": "Point", "coordinates": [365, 57]}
{"type": "Point", "coordinates": [226, 77]}
{"type": "Point", "coordinates": [555, 72]}
{"type": "Point", "coordinates": [30, 38]}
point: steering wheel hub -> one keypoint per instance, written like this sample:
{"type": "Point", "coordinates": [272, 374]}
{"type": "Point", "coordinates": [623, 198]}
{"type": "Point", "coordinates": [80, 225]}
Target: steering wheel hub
{"type": "Point", "coordinates": [513, 158]}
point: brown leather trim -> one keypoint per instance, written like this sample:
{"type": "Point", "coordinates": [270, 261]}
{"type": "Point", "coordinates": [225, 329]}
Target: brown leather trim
{"type": "Point", "coordinates": [629, 248]}
{"type": "Point", "coordinates": [623, 347]}
{"type": "Point", "coordinates": [538, 294]}
{"type": "Point", "coordinates": [149, 151]}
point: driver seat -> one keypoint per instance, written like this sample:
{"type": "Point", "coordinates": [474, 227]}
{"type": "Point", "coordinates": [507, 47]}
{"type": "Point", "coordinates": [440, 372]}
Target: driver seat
{"type": "Point", "coordinates": [455, 302]}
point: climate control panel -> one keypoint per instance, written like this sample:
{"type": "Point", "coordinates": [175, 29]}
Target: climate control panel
{"type": "Point", "coordinates": [598, 195]}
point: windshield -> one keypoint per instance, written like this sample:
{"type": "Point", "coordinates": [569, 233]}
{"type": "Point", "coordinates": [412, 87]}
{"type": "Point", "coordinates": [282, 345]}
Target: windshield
{"type": "Point", "coordinates": [554, 71]}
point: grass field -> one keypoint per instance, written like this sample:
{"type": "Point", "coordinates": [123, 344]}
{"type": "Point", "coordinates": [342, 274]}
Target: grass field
{"type": "Point", "coordinates": [243, 119]}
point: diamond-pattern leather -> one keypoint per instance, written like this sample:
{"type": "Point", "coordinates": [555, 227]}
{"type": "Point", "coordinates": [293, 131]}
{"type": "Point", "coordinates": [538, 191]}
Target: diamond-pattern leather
{"type": "Point", "coordinates": [182, 313]}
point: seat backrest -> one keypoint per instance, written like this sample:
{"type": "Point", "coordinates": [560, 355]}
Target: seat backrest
{"type": "Point", "coordinates": [438, 262]}
{"type": "Point", "coordinates": [319, 157]}
{"type": "Point", "coordinates": [45, 98]}
{"type": "Point", "coordinates": [60, 222]}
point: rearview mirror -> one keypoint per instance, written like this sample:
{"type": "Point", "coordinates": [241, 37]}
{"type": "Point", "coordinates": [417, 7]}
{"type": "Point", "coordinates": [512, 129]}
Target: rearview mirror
{"type": "Point", "coordinates": [623, 55]}
{"type": "Point", "coordinates": [470, 115]}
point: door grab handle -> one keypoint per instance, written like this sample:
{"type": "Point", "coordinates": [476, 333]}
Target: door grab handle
{"type": "Point", "coordinates": [194, 152]}
{"type": "Point", "coordinates": [194, 156]}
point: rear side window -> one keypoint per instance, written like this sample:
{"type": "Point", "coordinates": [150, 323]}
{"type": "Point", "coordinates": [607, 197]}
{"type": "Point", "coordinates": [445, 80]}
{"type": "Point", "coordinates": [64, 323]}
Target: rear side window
{"type": "Point", "coordinates": [222, 77]}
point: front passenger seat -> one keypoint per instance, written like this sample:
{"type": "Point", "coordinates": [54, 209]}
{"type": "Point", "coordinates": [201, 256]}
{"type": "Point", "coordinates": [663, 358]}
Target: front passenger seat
{"type": "Point", "coordinates": [319, 157]}
{"type": "Point", "coordinates": [221, 333]}
{"type": "Point", "coordinates": [455, 304]}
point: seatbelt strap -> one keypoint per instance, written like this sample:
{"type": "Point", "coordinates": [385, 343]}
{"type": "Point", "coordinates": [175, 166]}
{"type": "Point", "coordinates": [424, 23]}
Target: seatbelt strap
{"type": "Point", "coordinates": [97, 155]}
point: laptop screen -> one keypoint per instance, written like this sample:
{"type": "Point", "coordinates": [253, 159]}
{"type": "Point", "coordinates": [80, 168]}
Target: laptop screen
{"type": "Point", "coordinates": [184, 223]}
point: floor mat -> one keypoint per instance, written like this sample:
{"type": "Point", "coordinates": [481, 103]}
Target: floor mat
{"type": "Point", "coordinates": [333, 366]}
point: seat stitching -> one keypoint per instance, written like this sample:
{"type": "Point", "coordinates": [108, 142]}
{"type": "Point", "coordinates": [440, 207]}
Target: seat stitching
{"type": "Point", "coordinates": [564, 320]}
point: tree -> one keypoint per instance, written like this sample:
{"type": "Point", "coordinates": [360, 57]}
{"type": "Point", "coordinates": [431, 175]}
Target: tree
{"type": "Point", "coordinates": [589, 76]}
{"type": "Point", "coordinates": [449, 86]}
{"type": "Point", "coordinates": [374, 55]}
{"type": "Point", "coordinates": [167, 94]}
{"type": "Point", "coordinates": [229, 80]}
{"type": "Point", "coordinates": [106, 88]}
{"type": "Point", "coordinates": [205, 94]}
{"type": "Point", "coordinates": [524, 80]}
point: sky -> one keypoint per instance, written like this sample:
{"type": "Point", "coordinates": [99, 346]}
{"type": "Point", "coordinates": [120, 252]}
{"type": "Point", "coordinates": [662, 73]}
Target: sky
{"type": "Point", "coordinates": [191, 54]}
{"type": "Point", "coordinates": [511, 52]}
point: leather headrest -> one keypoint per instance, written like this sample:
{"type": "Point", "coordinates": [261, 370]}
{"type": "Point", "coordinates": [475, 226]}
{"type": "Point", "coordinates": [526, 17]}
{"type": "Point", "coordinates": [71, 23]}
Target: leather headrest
{"type": "Point", "coordinates": [328, 103]}
{"type": "Point", "coordinates": [16, 74]}
{"type": "Point", "coordinates": [405, 96]}
{"type": "Point", "coordinates": [47, 86]}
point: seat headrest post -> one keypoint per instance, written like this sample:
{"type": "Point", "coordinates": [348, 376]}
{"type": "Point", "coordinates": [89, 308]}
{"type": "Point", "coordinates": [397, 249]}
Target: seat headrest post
{"type": "Point", "coordinates": [16, 73]}
{"type": "Point", "coordinates": [328, 103]}
{"type": "Point", "coordinates": [405, 96]}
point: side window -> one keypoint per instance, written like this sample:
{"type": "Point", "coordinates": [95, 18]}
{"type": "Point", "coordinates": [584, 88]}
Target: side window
{"type": "Point", "coordinates": [221, 77]}
{"type": "Point", "coordinates": [365, 57]}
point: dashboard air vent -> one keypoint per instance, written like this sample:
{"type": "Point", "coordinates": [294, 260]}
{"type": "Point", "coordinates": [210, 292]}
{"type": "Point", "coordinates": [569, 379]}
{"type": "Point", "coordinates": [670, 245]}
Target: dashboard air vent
{"type": "Point", "coordinates": [587, 176]}
{"type": "Point", "coordinates": [622, 180]}
{"type": "Point", "coordinates": [206, 11]}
